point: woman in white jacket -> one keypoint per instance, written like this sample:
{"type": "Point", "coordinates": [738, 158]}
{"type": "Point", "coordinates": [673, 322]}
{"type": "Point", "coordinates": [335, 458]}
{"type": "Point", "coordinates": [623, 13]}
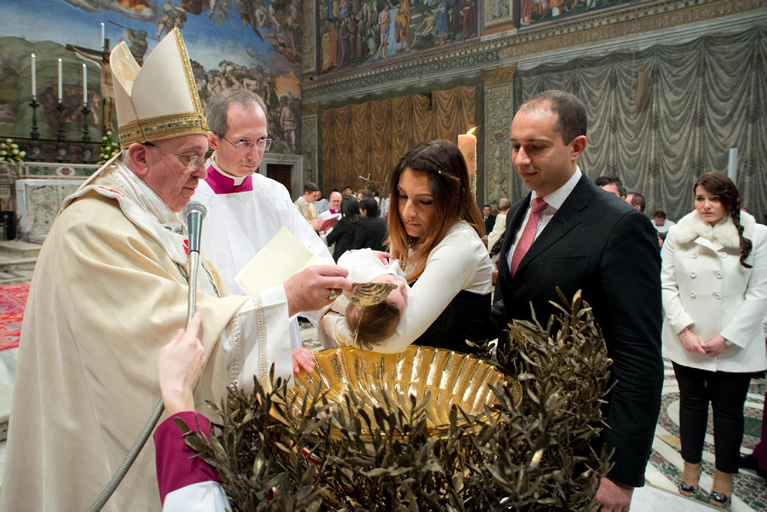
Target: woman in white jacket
{"type": "Point", "coordinates": [714, 278]}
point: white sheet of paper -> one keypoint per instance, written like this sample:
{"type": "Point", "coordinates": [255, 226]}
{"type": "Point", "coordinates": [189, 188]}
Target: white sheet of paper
{"type": "Point", "coordinates": [283, 257]}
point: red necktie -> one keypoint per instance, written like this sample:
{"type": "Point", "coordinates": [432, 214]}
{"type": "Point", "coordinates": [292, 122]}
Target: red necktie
{"type": "Point", "coordinates": [528, 235]}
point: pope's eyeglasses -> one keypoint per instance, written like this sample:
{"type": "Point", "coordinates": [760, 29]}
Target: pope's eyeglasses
{"type": "Point", "coordinates": [193, 162]}
{"type": "Point", "coordinates": [246, 146]}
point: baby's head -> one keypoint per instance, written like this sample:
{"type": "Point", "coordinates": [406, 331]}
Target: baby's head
{"type": "Point", "coordinates": [373, 324]}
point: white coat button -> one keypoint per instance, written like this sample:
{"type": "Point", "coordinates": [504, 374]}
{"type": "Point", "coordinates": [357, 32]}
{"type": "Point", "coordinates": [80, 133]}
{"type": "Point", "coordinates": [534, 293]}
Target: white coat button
{"type": "Point", "coordinates": [717, 296]}
{"type": "Point", "coordinates": [722, 254]}
{"type": "Point", "coordinates": [695, 255]}
{"type": "Point", "coordinates": [718, 275]}
{"type": "Point", "coordinates": [692, 295]}
{"type": "Point", "coordinates": [693, 275]}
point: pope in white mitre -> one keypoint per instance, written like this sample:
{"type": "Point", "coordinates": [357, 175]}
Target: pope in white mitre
{"type": "Point", "coordinates": [110, 289]}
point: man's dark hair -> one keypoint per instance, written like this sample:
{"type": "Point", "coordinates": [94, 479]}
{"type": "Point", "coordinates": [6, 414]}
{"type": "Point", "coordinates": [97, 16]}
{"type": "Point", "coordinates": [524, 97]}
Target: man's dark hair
{"type": "Point", "coordinates": [569, 109]}
{"type": "Point", "coordinates": [608, 179]}
{"type": "Point", "coordinates": [366, 193]}
{"type": "Point", "coordinates": [310, 187]}
{"type": "Point", "coordinates": [370, 206]}
{"type": "Point", "coordinates": [637, 199]}
{"type": "Point", "coordinates": [659, 214]}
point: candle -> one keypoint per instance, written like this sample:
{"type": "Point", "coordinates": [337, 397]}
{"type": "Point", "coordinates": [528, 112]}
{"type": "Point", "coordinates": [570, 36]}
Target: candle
{"type": "Point", "coordinates": [85, 85]}
{"type": "Point", "coordinates": [467, 143]}
{"type": "Point", "coordinates": [103, 40]}
{"type": "Point", "coordinates": [61, 81]}
{"type": "Point", "coordinates": [34, 75]}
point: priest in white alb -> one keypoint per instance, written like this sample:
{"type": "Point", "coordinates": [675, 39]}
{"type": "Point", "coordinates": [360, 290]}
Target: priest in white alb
{"type": "Point", "coordinates": [109, 290]}
{"type": "Point", "coordinates": [246, 209]}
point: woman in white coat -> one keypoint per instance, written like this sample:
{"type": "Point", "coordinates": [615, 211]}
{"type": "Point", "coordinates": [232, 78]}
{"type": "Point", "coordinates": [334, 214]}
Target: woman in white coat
{"type": "Point", "coordinates": [714, 278]}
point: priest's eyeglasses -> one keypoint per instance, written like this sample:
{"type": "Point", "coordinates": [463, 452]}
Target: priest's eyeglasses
{"type": "Point", "coordinates": [193, 162]}
{"type": "Point", "coordinates": [246, 146]}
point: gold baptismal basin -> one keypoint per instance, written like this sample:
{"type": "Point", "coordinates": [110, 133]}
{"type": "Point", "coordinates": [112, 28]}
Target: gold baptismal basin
{"type": "Point", "coordinates": [449, 377]}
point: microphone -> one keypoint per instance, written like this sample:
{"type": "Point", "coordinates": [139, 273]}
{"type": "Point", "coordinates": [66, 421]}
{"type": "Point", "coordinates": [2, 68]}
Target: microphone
{"type": "Point", "coordinates": [194, 212]}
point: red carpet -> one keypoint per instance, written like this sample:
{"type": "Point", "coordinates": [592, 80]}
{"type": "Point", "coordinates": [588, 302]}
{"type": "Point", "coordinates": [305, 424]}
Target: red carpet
{"type": "Point", "coordinates": [13, 299]}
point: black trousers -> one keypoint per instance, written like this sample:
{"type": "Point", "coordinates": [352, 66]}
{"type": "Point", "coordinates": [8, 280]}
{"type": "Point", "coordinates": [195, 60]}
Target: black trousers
{"type": "Point", "coordinates": [727, 393]}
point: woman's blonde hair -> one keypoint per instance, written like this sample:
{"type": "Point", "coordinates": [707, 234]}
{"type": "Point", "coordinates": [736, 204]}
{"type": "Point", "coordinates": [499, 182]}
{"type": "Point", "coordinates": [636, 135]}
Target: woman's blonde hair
{"type": "Point", "coordinates": [452, 196]}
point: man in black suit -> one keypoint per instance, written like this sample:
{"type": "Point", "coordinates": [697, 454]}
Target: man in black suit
{"type": "Point", "coordinates": [585, 238]}
{"type": "Point", "coordinates": [489, 218]}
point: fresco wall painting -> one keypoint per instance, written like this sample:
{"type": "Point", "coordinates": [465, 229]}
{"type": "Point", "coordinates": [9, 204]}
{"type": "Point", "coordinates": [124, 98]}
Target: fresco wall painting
{"type": "Point", "coordinates": [254, 44]}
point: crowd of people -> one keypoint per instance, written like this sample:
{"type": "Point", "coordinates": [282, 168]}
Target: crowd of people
{"type": "Point", "coordinates": [110, 289]}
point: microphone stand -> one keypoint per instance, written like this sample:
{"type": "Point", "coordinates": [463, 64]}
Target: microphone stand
{"type": "Point", "coordinates": [194, 213]}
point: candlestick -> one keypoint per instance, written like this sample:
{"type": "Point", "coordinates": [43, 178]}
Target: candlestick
{"type": "Point", "coordinates": [85, 85]}
{"type": "Point", "coordinates": [87, 148]}
{"type": "Point", "coordinates": [103, 46]}
{"type": "Point", "coordinates": [61, 81]}
{"type": "Point", "coordinates": [61, 145]}
{"type": "Point", "coordinates": [467, 143]}
{"type": "Point", "coordinates": [33, 66]}
{"type": "Point", "coordinates": [35, 153]}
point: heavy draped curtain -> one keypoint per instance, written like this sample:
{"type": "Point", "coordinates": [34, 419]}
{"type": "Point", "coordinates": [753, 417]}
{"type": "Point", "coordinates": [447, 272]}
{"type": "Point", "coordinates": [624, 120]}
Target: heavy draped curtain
{"type": "Point", "coordinates": [661, 117]}
{"type": "Point", "coordinates": [368, 139]}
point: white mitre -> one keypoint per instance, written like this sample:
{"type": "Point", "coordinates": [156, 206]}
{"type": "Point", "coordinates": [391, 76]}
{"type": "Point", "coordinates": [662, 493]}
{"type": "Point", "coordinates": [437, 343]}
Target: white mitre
{"type": "Point", "coordinates": [158, 101]}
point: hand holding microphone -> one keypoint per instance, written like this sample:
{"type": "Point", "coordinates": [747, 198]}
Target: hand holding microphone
{"type": "Point", "coordinates": [179, 366]}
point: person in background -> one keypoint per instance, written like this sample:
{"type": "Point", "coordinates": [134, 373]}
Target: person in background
{"type": "Point", "coordinates": [305, 203]}
{"type": "Point", "coordinates": [335, 202]}
{"type": "Point", "coordinates": [636, 200]}
{"type": "Point", "coordinates": [714, 299]}
{"type": "Point", "coordinates": [347, 191]}
{"type": "Point", "coordinates": [371, 233]}
{"type": "Point", "coordinates": [499, 228]}
{"type": "Point", "coordinates": [661, 223]}
{"type": "Point", "coordinates": [321, 203]}
{"type": "Point", "coordinates": [488, 218]}
{"type": "Point", "coordinates": [435, 230]}
{"type": "Point", "coordinates": [757, 459]}
{"type": "Point", "coordinates": [611, 184]}
{"type": "Point", "coordinates": [345, 229]}
{"type": "Point", "coordinates": [364, 193]}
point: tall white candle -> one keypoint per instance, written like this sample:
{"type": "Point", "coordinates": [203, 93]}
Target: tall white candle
{"type": "Point", "coordinates": [103, 39]}
{"type": "Point", "coordinates": [85, 85]}
{"type": "Point", "coordinates": [33, 58]}
{"type": "Point", "coordinates": [732, 164]}
{"type": "Point", "coordinates": [467, 144]}
{"type": "Point", "coordinates": [61, 81]}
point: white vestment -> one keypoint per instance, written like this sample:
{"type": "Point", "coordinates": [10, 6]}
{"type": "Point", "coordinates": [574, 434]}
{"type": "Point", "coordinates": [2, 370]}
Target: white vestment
{"type": "Point", "coordinates": [109, 290]}
{"type": "Point", "coordinates": [240, 224]}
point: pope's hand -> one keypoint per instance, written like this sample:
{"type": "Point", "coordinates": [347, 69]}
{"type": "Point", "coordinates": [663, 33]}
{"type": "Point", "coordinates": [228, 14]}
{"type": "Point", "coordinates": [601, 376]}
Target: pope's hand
{"type": "Point", "coordinates": [310, 289]}
{"type": "Point", "coordinates": [179, 365]}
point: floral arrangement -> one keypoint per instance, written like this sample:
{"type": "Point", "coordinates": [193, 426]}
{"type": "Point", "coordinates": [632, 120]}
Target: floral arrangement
{"type": "Point", "coordinates": [537, 456]}
{"type": "Point", "coordinates": [9, 152]}
{"type": "Point", "coordinates": [109, 147]}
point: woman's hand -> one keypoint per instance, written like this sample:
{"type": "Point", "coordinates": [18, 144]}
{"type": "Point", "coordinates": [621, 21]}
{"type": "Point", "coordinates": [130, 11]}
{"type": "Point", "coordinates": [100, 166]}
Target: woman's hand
{"type": "Point", "coordinates": [691, 342]}
{"type": "Point", "coordinates": [179, 365]}
{"type": "Point", "coordinates": [303, 359]}
{"type": "Point", "coordinates": [385, 257]}
{"type": "Point", "coordinates": [715, 346]}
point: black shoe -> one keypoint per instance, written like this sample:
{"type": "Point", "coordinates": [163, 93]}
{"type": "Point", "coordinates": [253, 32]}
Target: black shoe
{"type": "Point", "coordinates": [748, 462]}
{"type": "Point", "coordinates": [719, 499]}
{"type": "Point", "coordinates": [687, 489]}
